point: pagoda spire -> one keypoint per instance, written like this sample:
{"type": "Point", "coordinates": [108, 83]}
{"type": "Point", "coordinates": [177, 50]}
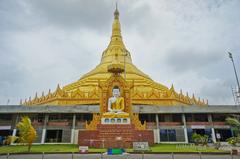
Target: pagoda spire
{"type": "Point", "coordinates": [116, 13]}
{"type": "Point", "coordinates": [116, 45]}
{"type": "Point", "coordinates": [116, 28]}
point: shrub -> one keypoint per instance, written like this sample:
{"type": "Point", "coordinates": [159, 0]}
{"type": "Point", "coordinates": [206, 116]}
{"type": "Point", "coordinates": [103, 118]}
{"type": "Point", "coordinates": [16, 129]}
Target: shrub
{"type": "Point", "coordinates": [200, 139]}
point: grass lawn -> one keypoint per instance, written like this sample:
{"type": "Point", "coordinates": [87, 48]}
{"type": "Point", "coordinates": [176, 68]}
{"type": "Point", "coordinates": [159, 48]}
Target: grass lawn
{"type": "Point", "coordinates": [39, 148]}
{"type": "Point", "coordinates": [74, 148]}
{"type": "Point", "coordinates": [182, 148]}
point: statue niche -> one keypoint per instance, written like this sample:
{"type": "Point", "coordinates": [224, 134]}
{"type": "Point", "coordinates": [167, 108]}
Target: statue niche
{"type": "Point", "coordinates": [116, 105]}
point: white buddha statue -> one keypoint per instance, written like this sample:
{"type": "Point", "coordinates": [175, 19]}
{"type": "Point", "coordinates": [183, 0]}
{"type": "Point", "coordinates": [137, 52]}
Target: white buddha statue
{"type": "Point", "coordinates": [116, 105]}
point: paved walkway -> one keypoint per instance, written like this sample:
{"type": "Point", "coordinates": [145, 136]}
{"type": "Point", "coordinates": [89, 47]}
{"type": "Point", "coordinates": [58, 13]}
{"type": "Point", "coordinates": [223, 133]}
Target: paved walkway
{"type": "Point", "coordinates": [130, 156]}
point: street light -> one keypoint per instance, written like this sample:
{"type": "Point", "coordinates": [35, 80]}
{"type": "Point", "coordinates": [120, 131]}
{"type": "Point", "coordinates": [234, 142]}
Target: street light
{"type": "Point", "coordinates": [231, 57]}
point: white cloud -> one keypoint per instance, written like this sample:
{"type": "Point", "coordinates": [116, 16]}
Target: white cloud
{"type": "Point", "coordinates": [185, 42]}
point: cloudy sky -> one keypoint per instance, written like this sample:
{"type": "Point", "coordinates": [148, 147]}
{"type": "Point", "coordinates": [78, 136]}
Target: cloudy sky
{"type": "Point", "coordinates": [46, 42]}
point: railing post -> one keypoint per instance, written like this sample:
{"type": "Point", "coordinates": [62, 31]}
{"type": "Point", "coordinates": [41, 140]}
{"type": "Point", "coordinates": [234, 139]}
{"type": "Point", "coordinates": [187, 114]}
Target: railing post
{"type": "Point", "coordinates": [72, 155]}
{"type": "Point", "coordinates": [142, 154]}
{"type": "Point", "coordinates": [42, 155]}
{"type": "Point", "coordinates": [8, 155]}
{"type": "Point", "coordinates": [172, 155]}
{"type": "Point", "coordinates": [200, 155]}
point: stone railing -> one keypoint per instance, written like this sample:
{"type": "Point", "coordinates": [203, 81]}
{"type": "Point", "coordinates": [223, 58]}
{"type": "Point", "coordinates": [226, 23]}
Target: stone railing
{"type": "Point", "coordinates": [58, 123]}
{"type": "Point", "coordinates": [198, 123]}
{"type": "Point", "coordinates": [219, 123]}
{"type": "Point", "coordinates": [36, 123]}
{"type": "Point", "coordinates": [170, 123]}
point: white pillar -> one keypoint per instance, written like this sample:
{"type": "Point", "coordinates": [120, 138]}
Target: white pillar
{"type": "Point", "coordinates": [15, 126]}
{"type": "Point", "coordinates": [44, 129]}
{"type": "Point", "coordinates": [156, 136]}
{"type": "Point", "coordinates": [212, 128]}
{"type": "Point", "coordinates": [157, 121]}
{"type": "Point", "coordinates": [43, 136]}
{"type": "Point", "coordinates": [14, 132]}
{"type": "Point", "coordinates": [213, 135]}
{"type": "Point", "coordinates": [185, 128]}
{"type": "Point", "coordinates": [186, 135]}
{"type": "Point", "coordinates": [157, 130]}
{"type": "Point", "coordinates": [73, 129]}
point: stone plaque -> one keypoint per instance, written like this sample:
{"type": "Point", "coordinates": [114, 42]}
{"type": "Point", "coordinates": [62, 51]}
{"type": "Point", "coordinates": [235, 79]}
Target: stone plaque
{"type": "Point", "coordinates": [83, 149]}
{"type": "Point", "coordinates": [141, 146]}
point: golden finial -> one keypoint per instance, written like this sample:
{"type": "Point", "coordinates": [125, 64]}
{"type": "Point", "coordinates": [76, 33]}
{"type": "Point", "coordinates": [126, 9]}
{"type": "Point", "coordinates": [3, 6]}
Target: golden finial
{"type": "Point", "coordinates": [172, 88]}
{"type": "Point", "coordinates": [58, 86]}
{"type": "Point", "coordinates": [116, 13]}
{"type": "Point", "coordinates": [193, 96]}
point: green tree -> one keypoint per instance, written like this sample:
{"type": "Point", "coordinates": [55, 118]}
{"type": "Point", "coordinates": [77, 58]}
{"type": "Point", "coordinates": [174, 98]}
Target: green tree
{"type": "Point", "coordinates": [27, 133]}
{"type": "Point", "coordinates": [10, 140]}
{"type": "Point", "coordinates": [235, 123]}
{"type": "Point", "coordinates": [199, 139]}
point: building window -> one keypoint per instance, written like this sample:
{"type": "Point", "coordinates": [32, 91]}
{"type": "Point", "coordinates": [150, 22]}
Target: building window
{"type": "Point", "coordinates": [87, 117]}
{"type": "Point", "coordinates": [177, 117]}
{"type": "Point", "coordinates": [170, 118]}
{"type": "Point", "coordinates": [172, 135]}
{"type": "Point", "coordinates": [224, 134]}
{"type": "Point", "coordinates": [147, 117]}
{"type": "Point", "coordinates": [6, 117]}
{"type": "Point", "coordinates": [196, 118]}
{"type": "Point", "coordinates": [219, 117]}
{"type": "Point", "coordinates": [167, 135]}
{"type": "Point", "coordinates": [60, 117]}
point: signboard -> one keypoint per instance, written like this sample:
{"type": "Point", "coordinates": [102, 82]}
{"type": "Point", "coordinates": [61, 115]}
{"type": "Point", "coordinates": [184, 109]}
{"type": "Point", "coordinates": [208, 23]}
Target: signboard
{"type": "Point", "coordinates": [83, 149]}
{"type": "Point", "coordinates": [218, 136]}
{"type": "Point", "coordinates": [198, 127]}
{"type": "Point", "coordinates": [140, 146]}
{"type": "Point", "coordinates": [5, 127]}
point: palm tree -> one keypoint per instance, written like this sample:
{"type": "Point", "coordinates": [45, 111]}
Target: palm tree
{"type": "Point", "coordinates": [235, 123]}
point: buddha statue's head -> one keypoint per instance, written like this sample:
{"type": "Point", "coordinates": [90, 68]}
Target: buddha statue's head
{"type": "Point", "coordinates": [116, 91]}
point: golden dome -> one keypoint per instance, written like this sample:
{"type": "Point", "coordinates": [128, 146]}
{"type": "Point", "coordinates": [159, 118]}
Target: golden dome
{"type": "Point", "coordinates": [115, 58]}
{"type": "Point", "coordinates": [115, 47]}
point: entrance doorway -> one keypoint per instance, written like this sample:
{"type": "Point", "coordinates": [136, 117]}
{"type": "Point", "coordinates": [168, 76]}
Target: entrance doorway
{"type": "Point", "coordinates": [53, 136]}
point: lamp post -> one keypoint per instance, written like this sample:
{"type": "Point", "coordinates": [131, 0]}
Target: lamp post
{"type": "Point", "coordinates": [231, 57]}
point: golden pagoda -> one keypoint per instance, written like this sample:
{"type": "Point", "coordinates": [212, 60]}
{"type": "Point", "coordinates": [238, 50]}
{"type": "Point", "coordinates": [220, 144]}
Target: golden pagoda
{"type": "Point", "coordinates": [144, 90]}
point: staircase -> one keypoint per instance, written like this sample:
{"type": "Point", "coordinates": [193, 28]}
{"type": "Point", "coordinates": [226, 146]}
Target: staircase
{"type": "Point", "coordinates": [116, 136]}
